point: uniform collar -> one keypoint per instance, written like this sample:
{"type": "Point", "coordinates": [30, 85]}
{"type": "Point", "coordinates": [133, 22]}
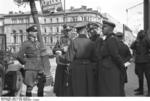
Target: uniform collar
{"type": "Point", "coordinates": [109, 35]}
{"type": "Point", "coordinates": [82, 36]}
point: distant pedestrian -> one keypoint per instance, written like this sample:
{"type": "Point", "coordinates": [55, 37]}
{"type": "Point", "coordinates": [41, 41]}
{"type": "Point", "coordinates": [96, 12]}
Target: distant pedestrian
{"type": "Point", "coordinates": [141, 48]}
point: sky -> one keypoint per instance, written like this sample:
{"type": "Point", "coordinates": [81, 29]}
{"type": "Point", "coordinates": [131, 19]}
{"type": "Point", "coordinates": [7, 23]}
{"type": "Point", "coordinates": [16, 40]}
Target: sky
{"type": "Point", "coordinates": [116, 8]}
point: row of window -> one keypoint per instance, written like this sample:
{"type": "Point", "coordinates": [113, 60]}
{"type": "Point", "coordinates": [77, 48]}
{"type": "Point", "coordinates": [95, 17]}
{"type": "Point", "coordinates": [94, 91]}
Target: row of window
{"type": "Point", "coordinates": [70, 19]}
{"type": "Point", "coordinates": [43, 30]}
{"type": "Point", "coordinates": [20, 20]}
{"type": "Point", "coordinates": [18, 39]}
{"type": "Point", "coordinates": [56, 20]}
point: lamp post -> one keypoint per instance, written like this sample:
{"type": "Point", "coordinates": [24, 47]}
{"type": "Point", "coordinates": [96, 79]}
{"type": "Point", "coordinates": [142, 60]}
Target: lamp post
{"type": "Point", "coordinates": [65, 12]}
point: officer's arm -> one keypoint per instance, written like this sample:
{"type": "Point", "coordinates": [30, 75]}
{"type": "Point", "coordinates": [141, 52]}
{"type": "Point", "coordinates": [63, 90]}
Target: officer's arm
{"type": "Point", "coordinates": [113, 50]}
{"type": "Point", "coordinates": [57, 47]}
{"type": "Point", "coordinates": [70, 54]}
{"type": "Point", "coordinates": [20, 54]}
{"type": "Point", "coordinates": [127, 54]}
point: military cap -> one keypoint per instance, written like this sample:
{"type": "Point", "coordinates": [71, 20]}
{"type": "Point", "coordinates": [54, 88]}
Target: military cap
{"type": "Point", "coordinates": [32, 29]}
{"type": "Point", "coordinates": [119, 34]}
{"type": "Point", "coordinates": [80, 26]}
{"type": "Point", "coordinates": [109, 23]}
{"type": "Point", "coordinates": [92, 25]}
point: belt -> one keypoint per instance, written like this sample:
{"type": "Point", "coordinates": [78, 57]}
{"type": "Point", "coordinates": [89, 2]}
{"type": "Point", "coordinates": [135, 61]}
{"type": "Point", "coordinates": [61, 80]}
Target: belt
{"type": "Point", "coordinates": [83, 61]}
{"type": "Point", "coordinates": [32, 56]}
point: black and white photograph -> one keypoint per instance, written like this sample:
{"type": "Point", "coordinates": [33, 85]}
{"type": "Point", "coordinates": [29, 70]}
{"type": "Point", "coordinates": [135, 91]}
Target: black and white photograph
{"type": "Point", "coordinates": [74, 48]}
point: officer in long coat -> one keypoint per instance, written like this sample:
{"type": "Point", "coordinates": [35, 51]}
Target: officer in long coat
{"type": "Point", "coordinates": [79, 54]}
{"type": "Point", "coordinates": [111, 67]}
{"type": "Point", "coordinates": [60, 86]}
{"type": "Point", "coordinates": [94, 36]}
{"type": "Point", "coordinates": [29, 55]}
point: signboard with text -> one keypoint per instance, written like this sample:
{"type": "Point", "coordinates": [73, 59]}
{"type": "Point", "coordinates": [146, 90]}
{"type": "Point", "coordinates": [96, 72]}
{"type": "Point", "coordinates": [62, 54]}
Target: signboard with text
{"type": "Point", "coordinates": [51, 6]}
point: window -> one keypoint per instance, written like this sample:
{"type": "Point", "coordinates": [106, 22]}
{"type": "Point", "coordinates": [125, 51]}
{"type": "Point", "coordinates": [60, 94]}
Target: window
{"type": "Point", "coordinates": [14, 31]}
{"type": "Point", "coordinates": [44, 20]}
{"type": "Point", "coordinates": [85, 18]}
{"type": "Point", "coordinates": [21, 38]}
{"type": "Point", "coordinates": [14, 20]}
{"type": "Point", "coordinates": [57, 20]}
{"type": "Point", "coordinates": [45, 39]}
{"type": "Point", "coordinates": [45, 30]}
{"type": "Point", "coordinates": [57, 29]}
{"type": "Point", "coordinates": [20, 31]}
{"type": "Point", "coordinates": [51, 29]}
{"type": "Point", "coordinates": [51, 20]}
{"type": "Point", "coordinates": [15, 39]}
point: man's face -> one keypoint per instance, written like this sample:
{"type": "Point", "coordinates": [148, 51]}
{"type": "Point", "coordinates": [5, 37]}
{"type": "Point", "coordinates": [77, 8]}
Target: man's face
{"type": "Point", "coordinates": [33, 36]}
{"type": "Point", "coordinates": [106, 29]}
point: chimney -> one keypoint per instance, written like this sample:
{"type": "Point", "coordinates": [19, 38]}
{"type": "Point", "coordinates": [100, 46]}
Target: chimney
{"type": "Point", "coordinates": [83, 7]}
{"type": "Point", "coordinates": [89, 9]}
{"type": "Point", "coordinates": [71, 8]}
{"type": "Point", "coordinates": [10, 12]}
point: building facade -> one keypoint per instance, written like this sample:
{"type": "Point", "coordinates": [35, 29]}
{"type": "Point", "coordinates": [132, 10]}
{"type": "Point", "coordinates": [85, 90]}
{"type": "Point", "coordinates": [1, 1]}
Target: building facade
{"type": "Point", "coordinates": [15, 25]}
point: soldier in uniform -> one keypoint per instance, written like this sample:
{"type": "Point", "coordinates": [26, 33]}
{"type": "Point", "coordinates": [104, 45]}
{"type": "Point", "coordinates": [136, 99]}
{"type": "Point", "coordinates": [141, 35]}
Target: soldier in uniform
{"type": "Point", "coordinates": [79, 55]}
{"type": "Point", "coordinates": [94, 36]}
{"type": "Point", "coordinates": [111, 68]}
{"type": "Point", "coordinates": [60, 86]}
{"type": "Point", "coordinates": [92, 30]}
{"type": "Point", "coordinates": [29, 55]}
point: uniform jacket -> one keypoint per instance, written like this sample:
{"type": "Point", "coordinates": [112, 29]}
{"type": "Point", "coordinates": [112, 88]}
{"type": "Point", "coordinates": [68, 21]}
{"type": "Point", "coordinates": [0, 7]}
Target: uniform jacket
{"type": "Point", "coordinates": [30, 52]}
{"type": "Point", "coordinates": [80, 55]}
{"type": "Point", "coordinates": [111, 68]}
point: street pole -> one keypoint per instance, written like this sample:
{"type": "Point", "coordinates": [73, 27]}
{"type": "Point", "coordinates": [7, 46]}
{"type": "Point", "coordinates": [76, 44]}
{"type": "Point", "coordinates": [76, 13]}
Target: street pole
{"type": "Point", "coordinates": [64, 11]}
{"type": "Point", "coordinates": [34, 14]}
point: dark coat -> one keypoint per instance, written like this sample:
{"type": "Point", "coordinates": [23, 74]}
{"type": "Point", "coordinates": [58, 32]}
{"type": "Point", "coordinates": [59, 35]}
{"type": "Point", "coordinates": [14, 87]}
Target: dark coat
{"type": "Point", "coordinates": [141, 50]}
{"type": "Point", "coordinates": [124, 52]}
{"type": "Point", "coordinates": [111, 69]}
{"type": "Point", "coordinates": [30, 52]}
{"type": "Point", "coordinates": [142, 55]}
{"type": "Point", "coordinates": [80, 55]}
{"type": "Point", "coordinates": [60, 88]}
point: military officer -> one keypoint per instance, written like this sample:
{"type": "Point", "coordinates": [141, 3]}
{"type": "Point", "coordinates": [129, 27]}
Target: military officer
{"type": "Point", "coordinates": [111, 70]}
{"type": "Point", "coordinates": [94, 36]}
{"type": "Point", "coordinates": [79, 55]}
{"type": "Point", "coordinates": [92, 29]}
{"type": "Point", "coordinates": [29, 55]}
{"type": "Point", "coordinates": [61, 82]}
